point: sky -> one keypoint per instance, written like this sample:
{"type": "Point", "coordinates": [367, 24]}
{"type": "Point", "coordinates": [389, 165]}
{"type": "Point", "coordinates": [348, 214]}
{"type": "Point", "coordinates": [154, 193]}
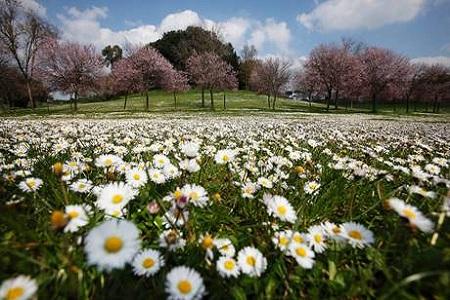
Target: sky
{"type": "Point", "coordinates": [419, 29]}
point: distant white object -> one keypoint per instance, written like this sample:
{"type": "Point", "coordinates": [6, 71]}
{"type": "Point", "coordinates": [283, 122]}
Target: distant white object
{"type": "Point", "coordinates": [60, 96]}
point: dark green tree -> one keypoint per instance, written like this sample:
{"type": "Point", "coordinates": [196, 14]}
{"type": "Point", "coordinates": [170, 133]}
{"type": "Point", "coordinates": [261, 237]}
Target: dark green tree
{"type": "Point", "coordinates": [112, 54]}
{"type": "Point", "coordinates": [177, 46]}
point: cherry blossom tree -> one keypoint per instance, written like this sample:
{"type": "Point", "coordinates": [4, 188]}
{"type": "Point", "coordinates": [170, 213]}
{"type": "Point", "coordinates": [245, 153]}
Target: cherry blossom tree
{"type": "Point", "coordinates": [22, 33]}
{"type": "Point", "coordinates": [210, 72]}
{"type": "Point", "coordinates": [334, 66]}
{"type": "Point", "coordinates": [176, 81]}
{"type": "Point", "coordinates": [69, 67]}
{"type": "Point", "coordinates": [381, 69]}
{"type": "Point", "coordinates": [147, 68]}
{"type": "Point", "coordinates": [270, 76]}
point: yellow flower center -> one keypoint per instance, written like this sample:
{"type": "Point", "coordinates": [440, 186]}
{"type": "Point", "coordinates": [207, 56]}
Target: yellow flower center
{"type": "Point", "coordinates": [178, 194]}
{"type": "Point", "coordinates": [336, 230]}
{"type": "Point", "coordinates": [355, 234]}
{"type": "Point", "coordinates": [299, 170]}
{"type": "Point", "coordinates": [409, 213]}
{"type": "Point", "coordinates": [298, 238]}
{"type": "Point", "coordinates": [185, 287]}
{"type": "Point", "coordinates": [31, 183]}
{"type": "Point", "coordinates": [72, 164]}
{"type": "Point", "coordinates": [282, 210]}
{"type": "Point", "coordinates": [251, 260]}
{"type": "Point", "coordinates": [300, 252]}
{"type": "Point", "coordinates": [318, 238]}
{"type": "Point", "coordinates": [284, 241]}
{"type": "Point", "coordinates": [116, 199]}
{"type": "Point", "coordinates": [81, 186]}
{"type": "Point", "coordinates": [15, 293]}
{"type": "Point", "coordinates": [161, 161]}
{"type": "Point", "coordinates": [108, 162]}
{"type": "Point", "coordinates": [207, 242]}
{"type": "Point", "coordinates": [73, 214]}
{"type": "Point", "coordinates": [148, 263]}
{"type": "Point", "coordinates": [113, 244]}
{"type": "Point", "coordinates": [229, 265]}
{"type": "Point", "coordinates": [194, 196]}
{"type": "Point", "coordinates": [225, 157]}
{"type": "Point", "coordinates": [136, 176]}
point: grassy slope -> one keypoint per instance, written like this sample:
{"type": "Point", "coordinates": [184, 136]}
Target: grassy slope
{"type": "Point", "coordinates": [237, 102]}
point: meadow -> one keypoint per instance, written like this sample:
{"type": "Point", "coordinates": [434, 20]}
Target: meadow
{"type": "Point", "coordinates": [267, 206]}
{"type": "Point", "coordinates": [239, 102]}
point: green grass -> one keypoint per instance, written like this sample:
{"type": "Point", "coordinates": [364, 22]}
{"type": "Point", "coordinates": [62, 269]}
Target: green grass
{"type": "Point", "coordinates": [237, 102]}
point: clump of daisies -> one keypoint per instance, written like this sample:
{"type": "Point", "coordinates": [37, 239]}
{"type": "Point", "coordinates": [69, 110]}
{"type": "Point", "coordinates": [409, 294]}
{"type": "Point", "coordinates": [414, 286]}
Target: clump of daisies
{"type": "Point", "coordinates": [415, 217]}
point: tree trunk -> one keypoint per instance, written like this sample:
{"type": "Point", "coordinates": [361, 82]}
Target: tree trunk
{"type": "Point", "coordinates": [75, 104]}
{"type": "Point", "coordinates": [212, 99]}
{"type": "Point", "coordinates": [30, 95]}
{"type": "Point", "coordinates": [274, 100]}
{"type": "Point", "coordinates": [146, 101]}
{"type": "Point", "coordinates": [203, 97]}
{"type": "Point", "coordinates": [224, 100]}
{"type": "Point", "coordinates": [328, 99]}
{"type": "Point", "coordinates": [351, 102]}
{"type": "Point", "coordinates": [309, 98]}
{"type": "Point", "coordinates": [336, 96]}
{"type": "Point", "coordinates": [175, 99]}
{"type": "Point", "coordinates": [125, 102]}
{"type": "Point", "coordinates": [268, 100]}
{"type": "Point", "coordinates": [434, 103]}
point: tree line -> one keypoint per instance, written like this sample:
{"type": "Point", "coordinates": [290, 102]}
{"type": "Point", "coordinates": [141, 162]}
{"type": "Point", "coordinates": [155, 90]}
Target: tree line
{"type": "Point", "coordinates": [35, 62]}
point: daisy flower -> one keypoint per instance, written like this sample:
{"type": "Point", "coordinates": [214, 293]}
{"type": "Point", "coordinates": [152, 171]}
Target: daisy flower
{"type": "Point", "coordinates": [112, 244]}
{"type": "Point", "coordinates": [414, 216]}
{"type": "Point", "coordinates": [136, 177]}
{"type": "Point", "coordinates": [183, 283]}
{"type": "Point", "coordinates": [190, 165]}
{"type": "Point", "coordinates": [317, 238]}
{"type": "Point", "coordinates": [170, 171]}
{"type": "Point", "coordinates": [147, 262]}
{"type": "Point", "coordinates": [77, 215]}
{"type": "Point", "coordinates": [30, 184]}
{"type": "Point", "coordinates": [302, 254]}
{"type": "Point", "coordinates": [18, 288]}
{"type": "Point", "coordinates": [311, 187]}
{"type": "Point", "coordinates": [115, 196]}
{"type": "Point", "coordinates": [332, 230]}
{"type": "Point", "coordinates": [282, 239]}
{"type": "Point", "coordinates": [108, 161]}
{"type": "Point", "coordinates": [172, 240]}
{"type": "Point", "coordinates": [415, 189]}
{"type": "Point", "coordinates": [432, 169]}
{"type": "Point", "coordinates": [190, 149]}
{"type": "Point", "coordinates": [225, 247]}
{"type": "Point", "coordinates": [227, 267]}
{"type": "Point", "coordinates": [81, 186]}
{"type": "Point", "coordinates": [224, 156]}
{"type": "Point", "coordinates": [265, 182]}
{"type": "Point", "coordinates": [280, 207]}
{"type": "Point", "coordinates": [160, 160]}
{"type": "Point", "coordinates": [251, 261]}
{"type": "Point", "coordinates": [356, 234]}
{"type": "Point", "coordinates": [197, 195]}
{"type": "Point", "coordinates": [207, 243]}
{"type": "Point", "coordinates": [156, 176]}
{"type": "Point", "coordinates": [248, 190]}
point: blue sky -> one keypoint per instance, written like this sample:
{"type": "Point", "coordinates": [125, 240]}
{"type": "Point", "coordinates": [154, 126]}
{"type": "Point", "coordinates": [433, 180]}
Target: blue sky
{"type": "Point", "coordinates": [416, 28]}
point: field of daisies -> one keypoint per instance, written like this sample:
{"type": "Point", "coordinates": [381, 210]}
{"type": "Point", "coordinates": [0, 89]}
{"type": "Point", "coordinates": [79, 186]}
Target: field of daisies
{"type": "Point", "coordinates": [343, 207]}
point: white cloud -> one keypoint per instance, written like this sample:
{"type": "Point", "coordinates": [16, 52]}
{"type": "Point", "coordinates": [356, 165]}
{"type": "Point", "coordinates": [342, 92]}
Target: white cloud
{"type": "Point", "coordinates": [85, 26]}
{"type": "Point", "coordinates": [356, 14]}
{"type": "Point", "coordinates": [431, 60]}
{"type": "Point", "coordinates": [34, 6]}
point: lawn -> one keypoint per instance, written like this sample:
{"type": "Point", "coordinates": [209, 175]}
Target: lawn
{"type": "Point", "coordinates": [237, 102]}
{"type": "Point", "coordinates": [258, 206]}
